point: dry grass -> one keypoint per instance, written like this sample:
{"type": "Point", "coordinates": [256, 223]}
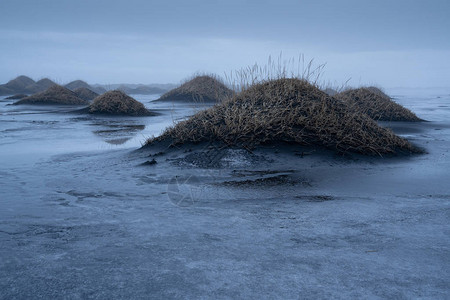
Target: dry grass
{"type": "Point", "coordinates": [378, 91]}
{"type": "Point", "coordinates": [56, 94]}
{"type": "Point", "coordinates": [200, 88]}
{"type": "Point", "coordinates": [377, 105]}
{"type": "Point", "coordinates": [278, 68]}
{"type": "Point", "coordinates": [85, 93]}
{"type": "Point", "coordinates": [117, 103]}
{"type": "Point", "coordinates": [286, 111]}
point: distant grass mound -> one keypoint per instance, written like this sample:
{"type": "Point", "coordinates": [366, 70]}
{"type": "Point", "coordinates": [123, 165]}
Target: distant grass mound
{"type": "Point", "coordinates": [288, 111]}
{"type": "Point", "coordinates": [117, 103]}
{"type": "Point", "coordinates": [56, 94]}
{"type": "Point", "coordinates": [85, 93]}
{"type": "Point", "coordinates": [17, 97]}
{"type": "Point", "coordinates": [17, 86]}
{"type": "Point", "coordinates": [77, 84]}
{"type": "Point", "coordinates": [25, 85]}
{"type": "Point", "coordinates": [19, 83]}
{"type": "Point", "coordinates": [45, 83]}
{"type": "Point", "coordinates": [330, 91]}
{"type": "Point", "coordinates": [204, 88]}
{"type": "Point", "coordinates": [376, 106]}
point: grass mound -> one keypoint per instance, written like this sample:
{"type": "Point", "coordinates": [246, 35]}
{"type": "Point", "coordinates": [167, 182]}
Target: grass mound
{"type": "Point", "coordinates": [85, 93]}
{"type": "Point", "coordinates": [56, 94]}
{"type": "Point", "coordinates": [76, 84]}
{"type": "Point", "coordinates": [117, 103]}
{"type": "Point", "coordinates": [376, 106]}
{"type": "Point", "coordinates": [19, 83]}
{"type": "Point", "coordinates": [17, 97]}
{"type": "Point", "coordinates": [204, 88]}
{"type": "Point", "coordinates": [45, 83]}
{"type": "Point", "coordinates": [288, 111]}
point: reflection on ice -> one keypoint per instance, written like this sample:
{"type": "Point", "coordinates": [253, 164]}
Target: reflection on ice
{"type": "Point", "coordinates": [31, 133]}
{"type": "Point", "coordinates": [119, 141]}
{"type": "Point", "coordinates": [116, 132]}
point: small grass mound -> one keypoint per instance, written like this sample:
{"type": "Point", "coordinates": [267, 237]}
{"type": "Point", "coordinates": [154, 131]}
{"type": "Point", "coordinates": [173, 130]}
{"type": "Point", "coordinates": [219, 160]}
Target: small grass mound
{"type": "Point", "coordinates": [17, 97]}
{"type": "Point", "coordinates": [288, 111]}
{"type": "Point", "coordinates": [76, 84]}
{"type": "Point", "coordinates": [56, 94]}
{"type": "Point", "coordinates": [117, 103]}
{"type": "Point", "coordinates": [204, 88]}
{"type": "Point", "coordinates": [371, 101]}
{"type": "Point", "coordinates": [44, 83]}
{"type": "Point", "coordinates": [85, 93]}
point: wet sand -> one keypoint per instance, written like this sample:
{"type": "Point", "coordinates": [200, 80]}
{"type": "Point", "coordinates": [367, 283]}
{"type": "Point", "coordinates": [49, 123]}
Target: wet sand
{"type": "Point", "coordinates": [84, 218]}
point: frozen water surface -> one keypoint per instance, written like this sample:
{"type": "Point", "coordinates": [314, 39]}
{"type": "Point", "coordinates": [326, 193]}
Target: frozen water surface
{"type": "Point", "coordinates": [81, 218]}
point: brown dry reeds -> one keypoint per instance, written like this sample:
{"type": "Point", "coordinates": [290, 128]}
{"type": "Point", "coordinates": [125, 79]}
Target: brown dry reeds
{"type": "Point", "coordinates": [55, 94]}
{"type": "Point", "coordinates": [286, 110]}
{"type": "Point", "coordinates": [199, 88]}
{"type": "Point", "coordinates": [376, 104]}
{"type": "Point", "coordinates": [117, 103]}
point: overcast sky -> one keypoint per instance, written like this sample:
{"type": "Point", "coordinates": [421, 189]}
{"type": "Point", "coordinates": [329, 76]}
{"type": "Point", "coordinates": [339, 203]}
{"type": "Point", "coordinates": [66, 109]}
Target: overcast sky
{"type": "Point", "coordinates": [390, 43]}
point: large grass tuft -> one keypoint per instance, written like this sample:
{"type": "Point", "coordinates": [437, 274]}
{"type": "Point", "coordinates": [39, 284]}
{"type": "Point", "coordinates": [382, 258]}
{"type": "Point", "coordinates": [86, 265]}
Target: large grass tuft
{"type": "Point", "coordinates": [286, 111]}
{"type": "Point", "coordinates": [376, 104]}
{"type": "Point", "coordinates": [200, 88]}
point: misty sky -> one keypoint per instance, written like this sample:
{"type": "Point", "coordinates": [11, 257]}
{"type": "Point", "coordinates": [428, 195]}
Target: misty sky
{"type": "Point", "coordinates": [388, 43]}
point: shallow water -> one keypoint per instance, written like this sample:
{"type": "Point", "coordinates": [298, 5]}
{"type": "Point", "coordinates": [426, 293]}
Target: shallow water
{"type": "Point", "coordinates": [30, 133]}
{"type": "Point", "coordinates": [81, 218]}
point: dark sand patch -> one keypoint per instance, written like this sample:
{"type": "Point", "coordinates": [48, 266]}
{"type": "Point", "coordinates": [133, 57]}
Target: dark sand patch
{"type": "Point", "coordinates": [316, 198]}
{"type": "Point", "coordinates": [270, 181]}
